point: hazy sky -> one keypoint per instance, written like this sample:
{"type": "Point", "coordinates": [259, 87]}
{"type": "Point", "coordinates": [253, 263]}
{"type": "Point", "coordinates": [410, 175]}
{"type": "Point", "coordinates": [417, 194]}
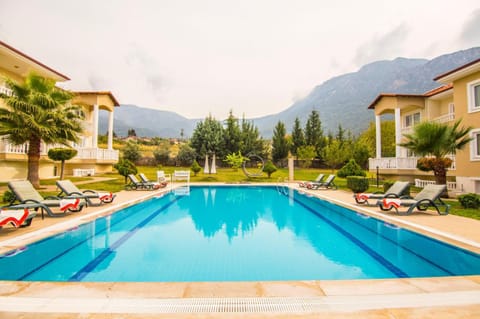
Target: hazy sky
{"type": "Point", "coordinates": [256, 57]}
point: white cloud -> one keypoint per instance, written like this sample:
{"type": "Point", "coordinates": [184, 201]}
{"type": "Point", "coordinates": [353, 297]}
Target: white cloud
{"type": "Point", "coordinates": [252, 56]}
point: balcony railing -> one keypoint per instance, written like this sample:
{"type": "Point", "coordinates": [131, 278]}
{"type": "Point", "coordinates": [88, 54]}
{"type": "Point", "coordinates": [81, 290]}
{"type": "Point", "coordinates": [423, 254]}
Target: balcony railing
{"type": "Point", "coordinates": [97, 153]}
{"type": "Point", "coordinates": [399, 163]}
{"type": "Point", "coordinates": [444, 118]}
{"type": "Point", "coordinates": [83, 153]}
{"type": "Point", "coordinates": [5, 90]}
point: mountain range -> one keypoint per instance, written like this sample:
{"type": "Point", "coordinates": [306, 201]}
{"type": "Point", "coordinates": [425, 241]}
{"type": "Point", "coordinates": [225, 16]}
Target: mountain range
{"type": "Point", "coordinates": [340, 100]}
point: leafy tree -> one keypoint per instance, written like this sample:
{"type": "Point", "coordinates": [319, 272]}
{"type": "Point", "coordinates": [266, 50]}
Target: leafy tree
{"type": "Point", "coordinates": [340, 134]}
{"type": "Point", "coordinates": [361, 153]}
{"type": "Point", "coordinates": [251, 142]}
{"type": "Point", "coordinates": [131, 132]}
{"type": "Point", "coordinates": [195, 168]}
{"type": "Point", "coordinates": [131, 151]}
{"type": "Point", "coordinates": [39, 111]}
{"type": "Point", "coordinates": [314, 132]}
{"type": "Point", "coordinates": [162, 155]}
{"type": "Point", "coordinates": [279, 142]}
{"type": "Point", "coordinates": [232, 135]}
{"type": "Point", "coordinates": [186, 155]}
{"type": "Point", "coordinates": [235, 160]}
{"type": "Point", "coordinates": [333, 154]}
{"type": "Point", "coordinates": [306, 153]}
{"type": "Point", "coordinates": [125, 167]}
{"type": "Point", "coordinates": [207, 137]}
{"type": "Point", "coordinates": [435, 141]}
{"type": "Point", "coordinates": [62, 155]}
{"type": "Point", "coordinates": [269, 168]}
{"type": "Point", "coordinates": [387, 130]}
{"type": "Point", "coordinates": [298, 138]}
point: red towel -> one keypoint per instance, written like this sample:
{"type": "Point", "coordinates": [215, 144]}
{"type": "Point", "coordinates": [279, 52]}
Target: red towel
{"type": "Point", "coordinates": [105, 196]}
{"type": "Point", "coordinates": [11, 216]}
{"type": "Point", "coordinates": [69, 203]}
{"type": "Point", "coordinates": [391, 202]}
{"type": "Point", "coordinates": [362, 196]}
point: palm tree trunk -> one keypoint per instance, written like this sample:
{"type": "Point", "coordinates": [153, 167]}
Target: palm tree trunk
{"type": "Point", "coordinates": [61, 171]}
{"type": "Point", "coordinates": [34, 161]}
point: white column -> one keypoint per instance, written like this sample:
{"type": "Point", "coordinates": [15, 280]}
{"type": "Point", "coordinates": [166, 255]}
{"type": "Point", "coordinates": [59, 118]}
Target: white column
{"type": "Point", "coordinates": [291, 169]}
{"type": "Point", "coordinates": [206, 170]}
{"type": "Point", "coordinates": [398, 133]}
{"type": "Point", "coordinates": [378, 136]}
{"type": "Point", "coordinates": [95, 126]}
{"type": "Point", "coordinates": [110, 131]}
{"type": "Point", "coordinates": [213, 168]}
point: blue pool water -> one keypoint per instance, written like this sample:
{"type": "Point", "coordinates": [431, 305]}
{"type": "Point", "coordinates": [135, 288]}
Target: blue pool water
{"type": "Point", "coordinates": [235, 233]}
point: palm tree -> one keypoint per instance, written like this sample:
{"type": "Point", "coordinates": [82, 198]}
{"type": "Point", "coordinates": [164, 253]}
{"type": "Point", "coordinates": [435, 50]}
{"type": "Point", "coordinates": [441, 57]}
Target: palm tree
{"type": "Point", "coordinates": [434, 142]}
{"type": "Point", "coordinates": [39, 111]}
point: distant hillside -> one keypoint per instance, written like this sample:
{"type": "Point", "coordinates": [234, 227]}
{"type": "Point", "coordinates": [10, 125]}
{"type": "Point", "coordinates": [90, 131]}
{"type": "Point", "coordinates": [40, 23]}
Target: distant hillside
{"type": "Point", "coordinates": [344, 99]}
{"type": "Point", "coordinates": [340, 100]}
{"type": "Point", "coordinates": [147, 122]}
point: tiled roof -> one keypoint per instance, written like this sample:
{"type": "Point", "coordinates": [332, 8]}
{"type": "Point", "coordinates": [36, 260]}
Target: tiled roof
{"type": "Point", "coordinates": [457, 69]}
{"type": "Point", "coordinates": [110, 94]}
{"type": "Point", "coordinates": [33, 60]}
{"type": "Point", "coordinates": [382, 95]}
{"type": "Point", "coordinates": [438, 90]}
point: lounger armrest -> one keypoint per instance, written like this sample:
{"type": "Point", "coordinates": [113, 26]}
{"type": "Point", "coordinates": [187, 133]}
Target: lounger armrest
{"type": "Point", "coordinates": [73, 194]}
{"type": "Point", "coordinates": [89, 191]}
{"type": "Point", "coordinates": [29, 201]}
{"type": "Point", "coordinates": [54, 197]}
{"type": "Point", "coordinates": [391, 195]}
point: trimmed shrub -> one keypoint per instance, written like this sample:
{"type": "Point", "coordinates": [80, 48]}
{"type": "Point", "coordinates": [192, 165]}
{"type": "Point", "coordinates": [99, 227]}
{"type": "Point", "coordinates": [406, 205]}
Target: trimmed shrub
{"type": "Point", "coordinates": [195, 168]}
{"type": "Point", "coordinates": [470, 200]}
{"type": "Point", "coordinates": [269, 168]}
{"type": "Point", "coordinates": [358, 184]}
{"type": "Point", "coordinates": [8, 196]}
{"type": "Point", "coordinates": [351, 169]}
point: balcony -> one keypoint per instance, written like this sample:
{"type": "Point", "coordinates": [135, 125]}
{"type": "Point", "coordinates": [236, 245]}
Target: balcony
{"type": "Point", "coordinates": [5, 90]}
{"type": "Point", "coordinates": [399, 163]}
{"type": "Point", "coordinates": [83, 153]}
{"type": "Point", "coordinates": [444, 118]}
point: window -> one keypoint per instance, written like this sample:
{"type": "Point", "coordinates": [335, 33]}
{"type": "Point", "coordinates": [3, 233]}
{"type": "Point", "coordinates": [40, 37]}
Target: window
{"type": "Point", "coordinates": [475, 145]}
{"type": "Point", "coordinates": [473, 96]}
{"type": "Point", "coordinates": [412, 119]}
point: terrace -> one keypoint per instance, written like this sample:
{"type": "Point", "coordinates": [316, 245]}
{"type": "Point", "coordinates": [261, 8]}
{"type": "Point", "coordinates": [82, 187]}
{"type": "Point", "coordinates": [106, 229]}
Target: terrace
{"type": "Point", "coordinates": [443, 297]}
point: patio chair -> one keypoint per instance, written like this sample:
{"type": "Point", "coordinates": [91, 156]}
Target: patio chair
{"type": "Point", "coordinates": [328, 184]}
{"type": "Point", "coordinates": [428, 197]}
{"type": "Point", "coordinates": [17, 216]}
{"type": "Point", "coordinates": [319, 179]}
{"type": "Point", "coordinates": [155, 184]}
{"type": "Point", "coordinates": [67, 188]}
{"type": "Point", "coordinates": [135, 184]}
{"type": "Point", "coordinates": [395, 191]}
{"type": "Point", "coordinates": [162, 177]}
{"type": "Point", "coordinates": [27, 195]}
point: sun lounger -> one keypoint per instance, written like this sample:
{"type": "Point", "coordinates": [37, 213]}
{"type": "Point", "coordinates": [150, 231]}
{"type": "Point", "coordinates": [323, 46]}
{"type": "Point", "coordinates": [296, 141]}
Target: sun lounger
{"type": "Point", "coordinates": [395, 191]}
{"type": "Point", "coordinates": [319, 179]}
{"type": "Point", "coordinates": [67, 188]}
{"type": "Point", "coordinates": [327, 184]}
{"type": "Point", "coordinates": [155, 184]}
{"type": "Point", "coordinates": [135, 184]}
{"type": "Point", "coordinates": [17, 216]}
{"type": "Point", "coordinates": [428, 197]}
{"type": "Point", "coordinates": [28, 196]}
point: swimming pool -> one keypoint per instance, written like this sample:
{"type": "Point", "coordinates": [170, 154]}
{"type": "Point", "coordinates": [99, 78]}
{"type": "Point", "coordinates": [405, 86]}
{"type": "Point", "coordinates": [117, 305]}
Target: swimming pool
{"type": "Point", "coordinates": [235, 233]}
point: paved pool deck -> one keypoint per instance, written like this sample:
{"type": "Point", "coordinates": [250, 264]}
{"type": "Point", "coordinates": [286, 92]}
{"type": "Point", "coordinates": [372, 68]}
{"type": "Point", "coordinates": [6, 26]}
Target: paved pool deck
{"type": "Point", "coordinates": [439, 297]}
